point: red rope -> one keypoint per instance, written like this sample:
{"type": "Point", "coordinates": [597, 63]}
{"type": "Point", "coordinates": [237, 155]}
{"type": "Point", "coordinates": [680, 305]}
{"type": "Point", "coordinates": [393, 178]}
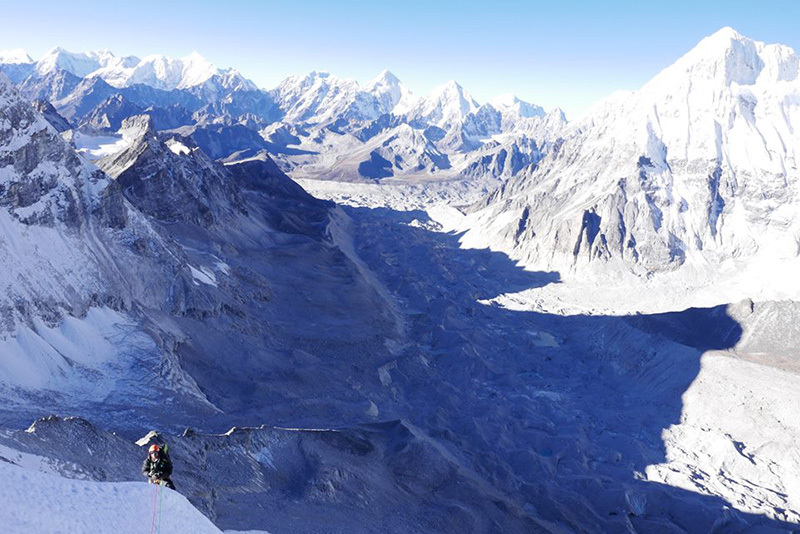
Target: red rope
{"type": "Point", "coordinates": [155, 509]}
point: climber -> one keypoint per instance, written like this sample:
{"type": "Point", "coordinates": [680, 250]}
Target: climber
{"type": "Point", "coordinates": [157, 467]}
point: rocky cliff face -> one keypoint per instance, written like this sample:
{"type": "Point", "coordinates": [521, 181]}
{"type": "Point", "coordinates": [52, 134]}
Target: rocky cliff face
{"type": "Point", "coordinates": [168, 178]}
{"type": "Point", "coordinates": [60, 213]}
{"type": "Point", "coordinates": [191, 258]}
{"type": "Point", "coordinates": [52, 116]}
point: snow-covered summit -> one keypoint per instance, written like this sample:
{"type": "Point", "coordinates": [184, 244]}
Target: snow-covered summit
{"type": "Point", "coordinates": [510, 102]}
{"type": "Point", "coordinates": [162, 72]}
{"type": "Point", "coordinates": [392, 95]}
{"type": "Point", "coordinates": [320, 98]}
{"type": "Point", "coordinates": [80, 64]}
{"type": "Point", "coordinates": [444, 105]}
{"type": "Point", "coordinates": [159, 71]}
{"type": "Point", "coordinates": [728, 57]}
{"type": "Point", "coordinates": [695, 169]}
{"type": "Point", "coordinates": [15, 57]}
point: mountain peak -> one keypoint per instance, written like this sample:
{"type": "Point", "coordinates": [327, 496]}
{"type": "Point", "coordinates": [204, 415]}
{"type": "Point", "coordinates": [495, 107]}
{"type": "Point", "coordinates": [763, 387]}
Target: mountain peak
{"type": "Point", "coordinates": [16, 56]}
{"type": "Point", "coordinates": [137, 126]}
{"type": "Point", "coordinates": [195, 57]}
{"type": "Point", "coordinates": [719, 42]}
{"type": "Point", "coordinates": [558, 113]}
{"type": "Point", "coordinates": [452, 85]}
{"type": "Point", "coordinates": [390, 92]}
{"type": "Point", "coordinates": [386, 76]}
{"type": "Point", "coordinates": [451, 90]}
{"type": "Point", "coordinates": [726, 34]}
{"type": "Point", "coordinates": [728, 57]}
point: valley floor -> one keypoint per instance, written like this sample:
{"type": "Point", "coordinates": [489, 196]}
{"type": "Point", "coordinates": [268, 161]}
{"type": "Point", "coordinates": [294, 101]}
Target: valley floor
{"type": "Point", "coordinates": [516, 419]}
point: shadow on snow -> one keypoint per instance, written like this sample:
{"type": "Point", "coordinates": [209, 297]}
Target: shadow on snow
{"type": "Point", "coordinates": [562, 413]}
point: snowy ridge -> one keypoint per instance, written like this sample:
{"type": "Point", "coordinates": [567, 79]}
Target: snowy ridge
{"type": "Point", "coordinates": [163, 72]}
{"type": "Point", "coordinates": [157, 71]}
{"type": "Point", "coordinates": [80, 64]}
{"type": "Point", "coordinates": [321, 98]}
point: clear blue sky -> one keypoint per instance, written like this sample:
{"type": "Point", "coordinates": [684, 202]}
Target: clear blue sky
{"type": "Point", "coordinates": [567, 53]}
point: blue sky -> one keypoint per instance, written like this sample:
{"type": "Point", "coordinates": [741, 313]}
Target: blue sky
{"type": "Point", "coordinates": [567, 53]}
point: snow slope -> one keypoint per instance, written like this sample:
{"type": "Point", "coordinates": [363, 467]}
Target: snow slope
{"type": "Point", "coordinates": [47, 503]}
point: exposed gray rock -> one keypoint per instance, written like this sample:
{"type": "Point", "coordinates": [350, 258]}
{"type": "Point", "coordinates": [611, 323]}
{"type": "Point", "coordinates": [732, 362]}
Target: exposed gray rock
{"type": "Point", "coordinates": [52, 116]}
{"type": "Point", "coordinates": [109, 114]}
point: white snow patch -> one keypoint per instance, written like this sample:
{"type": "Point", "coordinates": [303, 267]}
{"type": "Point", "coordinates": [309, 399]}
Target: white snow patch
{"type": "Point", "coordinates": [94, 147]}
{"type": "Point", "coordinates": [737, 437]}
{"type": "Point", "coordinates": [29, 461]}
{"type": "Point", "coordinates": [204, 276]}
{"type": "Point", "coordinates": [223, 267]}
{"type": "Point", "coordinates": [56, 357]}
{"type": "Point", "coordinates": [178, 148]}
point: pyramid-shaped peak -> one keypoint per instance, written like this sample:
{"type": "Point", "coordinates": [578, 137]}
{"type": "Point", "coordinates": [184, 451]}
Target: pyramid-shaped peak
{"type": "Point", "coordinates": [450, 90]}
{"type": "Point", "coordinates": [557, 113]}
{"type": "Point", "coordinates": [387, 76]}
{"type": "Point", "coordinates": [727, 57]}
{"type": "Point", "coordinates": [195, 56]}
{"type": "Point", "coordinates": [452, 85]}
{"type": "Point", "coordinates": [719, 42]}
{"type": "Point", "coordinates": [445, 102]}
{"type": "Point", "coordinates": [726, 33]}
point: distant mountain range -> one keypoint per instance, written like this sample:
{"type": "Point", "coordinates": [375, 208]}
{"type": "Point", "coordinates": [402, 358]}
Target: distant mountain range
{"type": "Point", "coordinates": [317, 125]}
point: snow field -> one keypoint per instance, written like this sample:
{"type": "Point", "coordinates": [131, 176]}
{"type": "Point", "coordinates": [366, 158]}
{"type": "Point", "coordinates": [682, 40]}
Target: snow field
{"type": "Point", "coordinates": [48, 504]}
{"type": "Point", "coordinates": [738, 438]}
